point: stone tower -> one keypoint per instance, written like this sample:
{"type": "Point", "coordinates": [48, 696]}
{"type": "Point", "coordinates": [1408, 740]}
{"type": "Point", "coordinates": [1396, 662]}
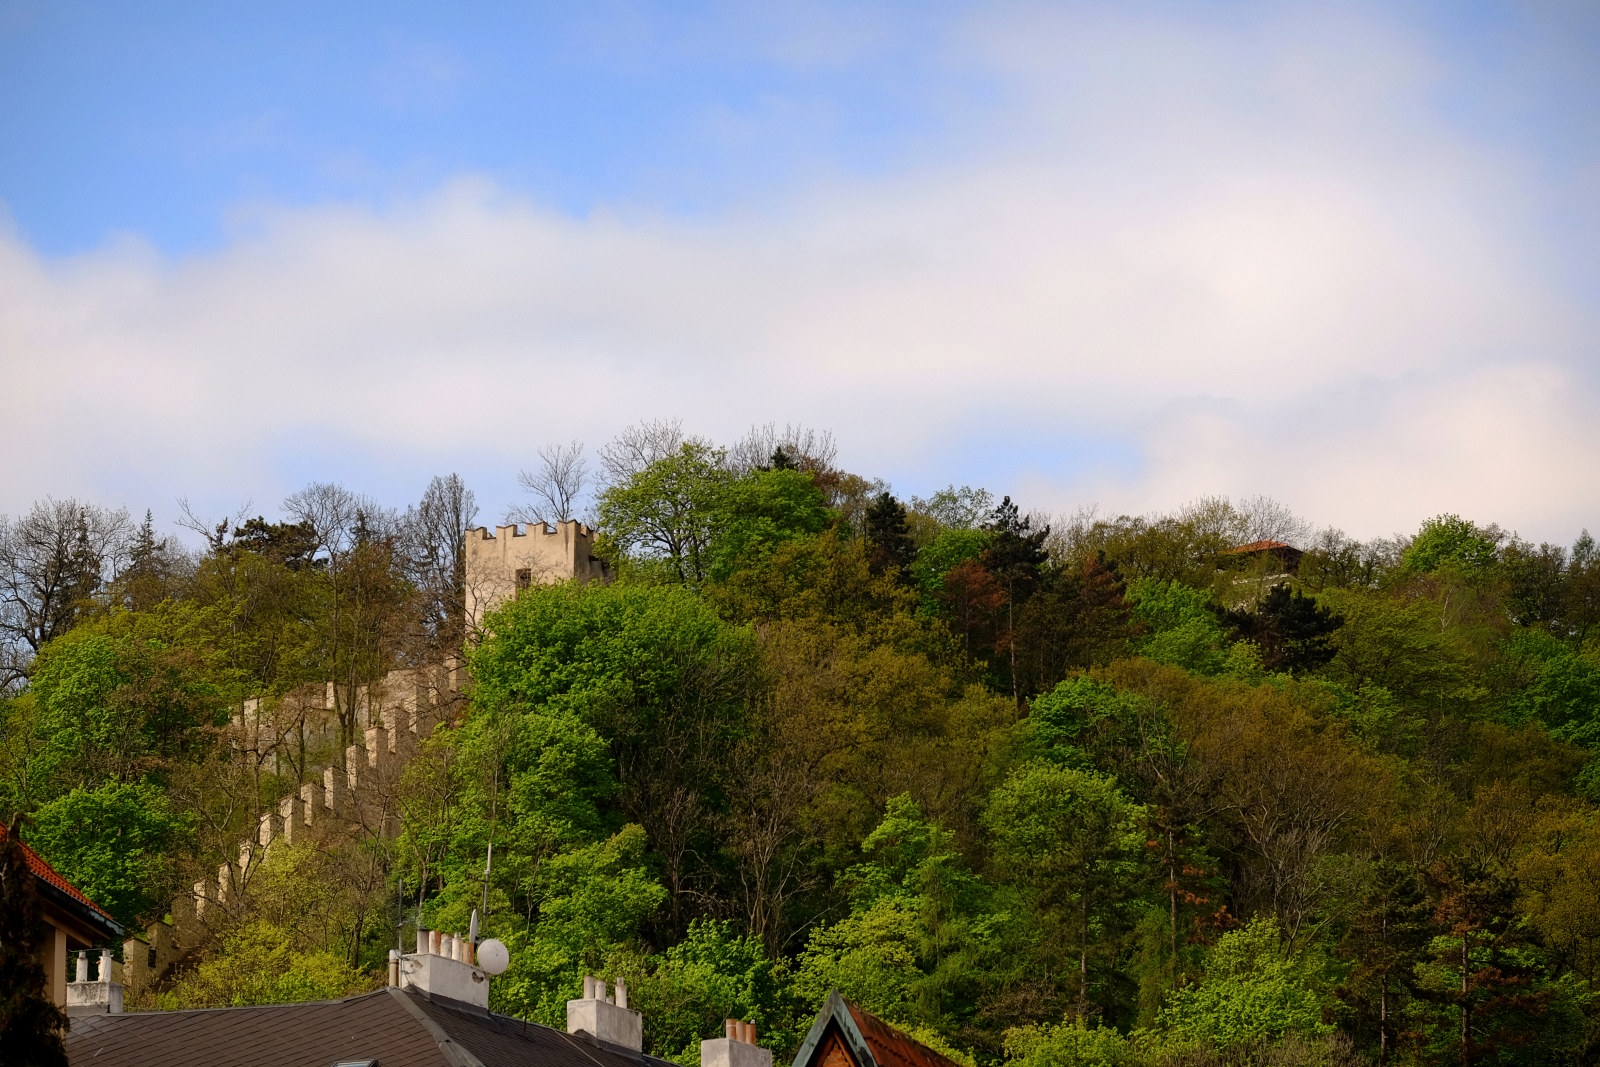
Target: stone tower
{"type": "Point", "coordinates": [500, 563]}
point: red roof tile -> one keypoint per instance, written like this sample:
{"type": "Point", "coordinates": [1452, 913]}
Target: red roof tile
{"type": "Point", "coordinates": [891, 1048]}
{"type": "Point", "coordinates": [1261, 546]}
{"type": "Point", "coordinates": [48, 874]}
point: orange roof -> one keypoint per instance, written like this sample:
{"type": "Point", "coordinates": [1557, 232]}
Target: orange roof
{"type": "Point", "coordinates": [891, 1048]}
{"type": "Point", "coordinates": [1262, 546]}
{"type": "Point", "coordinates": [48, 874]}
{"type": "Point", "coordinates": [867, 1040]}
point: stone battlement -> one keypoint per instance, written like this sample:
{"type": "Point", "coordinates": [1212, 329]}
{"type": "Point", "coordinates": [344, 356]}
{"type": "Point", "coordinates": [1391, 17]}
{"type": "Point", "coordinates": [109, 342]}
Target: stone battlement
{"type": "Point", "coordinates": [510, 559]}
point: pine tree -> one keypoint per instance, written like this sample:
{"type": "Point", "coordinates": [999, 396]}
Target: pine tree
{"type": "Point", "coordinates": [889, 538]}
{"type": "Point", "coordinates": [1014, 556]}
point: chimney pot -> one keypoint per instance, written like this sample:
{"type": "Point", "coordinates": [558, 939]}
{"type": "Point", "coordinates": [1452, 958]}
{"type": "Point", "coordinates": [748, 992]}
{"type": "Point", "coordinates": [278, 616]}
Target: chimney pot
{"type": "Point", "coordinates": [730, 1029]}
{"type": "Point", "coordinates": [622, 992]}
{"type": "Point", "coordinates": [749, 1033]}
{"type": "Point", "coordinates": [422, 941]}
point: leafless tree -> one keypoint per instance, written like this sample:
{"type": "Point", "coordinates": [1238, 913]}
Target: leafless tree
{"type": "Point", "coordinates": [339, 518]}
{"type": "Point", "coordinates": [1262, 518]}
{"type": "Point", "coordinates": [635, 448]}
{"type": "Point", "coordinates": [808, 449]}
{"type": "Point", "coordinates": [53, 561]}
{"type": "Point", "coordinates": [556, 485]}
{"type": "Point", "coordinates": [366, 613]}
{"type": "Point", "coordinates": [434, 535]}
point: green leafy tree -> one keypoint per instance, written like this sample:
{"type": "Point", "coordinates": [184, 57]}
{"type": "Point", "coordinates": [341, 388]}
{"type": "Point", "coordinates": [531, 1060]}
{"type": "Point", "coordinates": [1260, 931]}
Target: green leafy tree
{"type": "Point", "coordinates": [589, 903]}
{"type": "Point", "coordinates": [257, 963]}
{"type": "Point", "coordinates": [1070, 1045]}
{"type": "Point", "coordinates": [1252, 990]}
{"type": "Point", "coordinates": [666, 513]}
{"type": "Point", "coordinates": [1069, 840]}
{"type": "Point", "coordinates": [1450, 540]}
{"type": "Point", "coordinates": [713, 974]}
{"type": "Point", "coordinates": [118, 843]}
{"type": "Point", "coordinates": [756, 513]}
{"type": "Point", "coordinates": [1180, 624]}
{"type": "Point", "coordinates": [653, 671]}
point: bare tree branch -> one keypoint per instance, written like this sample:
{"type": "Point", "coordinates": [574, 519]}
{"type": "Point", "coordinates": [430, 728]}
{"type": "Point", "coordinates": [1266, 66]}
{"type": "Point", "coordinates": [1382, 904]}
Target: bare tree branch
{"type": "Point", "coordinates": [556, 485]}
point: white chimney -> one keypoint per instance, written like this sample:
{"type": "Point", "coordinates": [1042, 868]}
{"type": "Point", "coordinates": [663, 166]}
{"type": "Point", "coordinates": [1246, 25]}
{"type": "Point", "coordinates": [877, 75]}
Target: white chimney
{"type": "Point", "coordinates": [737, 1049]}
{"type": "Point", "coordinates": [101, 996]}
{"type": "Point", "coordinates": [433, 970]}
{"type": "Point", "coordinates": [597, 1015]}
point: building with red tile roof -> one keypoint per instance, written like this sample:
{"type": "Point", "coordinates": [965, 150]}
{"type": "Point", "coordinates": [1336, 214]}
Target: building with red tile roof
{"type": "Point", "coordinates": [845, 1035]}
{"type": "Point", "coordinates": [76, 922]}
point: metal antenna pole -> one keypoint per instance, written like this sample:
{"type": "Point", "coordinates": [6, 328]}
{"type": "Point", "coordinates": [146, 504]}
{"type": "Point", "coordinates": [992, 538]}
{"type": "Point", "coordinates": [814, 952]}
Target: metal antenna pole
{"type": "Point", "coordinates": [488, 861]}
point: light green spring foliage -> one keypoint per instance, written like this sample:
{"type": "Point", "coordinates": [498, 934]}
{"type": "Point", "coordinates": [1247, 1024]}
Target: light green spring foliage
{"type": "Point", "coordinates": [257, 964]}
{"type": "Point", "coordinates": [714, 974]}
{"type": "Point", "coordinates": [1070, 1045]}
{"type": "Point", "coordinates": [114, 843]}
{"type": "Point", "coordinates": [948, 549]}
{"type": "Point", "coordinates": [1182, 628]}
{"type": "Point", "coordinates": [921, 926]}
{"type": "Point", "coordinates": [1251, 991]}
{"type": "Point", "coordinates": [1451, 541]}
{"type": "Point", "coordinates": [590, 901]}
{"type": "Point", "coordinates": [687, 518]}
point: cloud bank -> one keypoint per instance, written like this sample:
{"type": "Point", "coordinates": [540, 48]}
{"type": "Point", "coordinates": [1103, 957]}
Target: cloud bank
{"type": "Point", "coordinates": [1173, 260]}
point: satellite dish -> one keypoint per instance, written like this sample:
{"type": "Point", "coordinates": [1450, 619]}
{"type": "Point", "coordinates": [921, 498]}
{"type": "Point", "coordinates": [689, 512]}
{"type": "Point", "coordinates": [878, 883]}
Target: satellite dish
{"type": "Point", "coordinates": [493, 957]}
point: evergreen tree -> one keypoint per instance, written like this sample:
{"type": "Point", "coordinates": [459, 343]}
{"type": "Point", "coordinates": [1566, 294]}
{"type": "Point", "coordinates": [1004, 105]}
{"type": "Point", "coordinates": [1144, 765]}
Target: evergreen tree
{"type": "Point", "coordinates": [1014, 557]}
{"type": "Point", "coordinates": [1386, 939]}
{"type": "Point", "coordinates": [889, 538]}
{"type": "Point", "coordinates": [1293, 631]}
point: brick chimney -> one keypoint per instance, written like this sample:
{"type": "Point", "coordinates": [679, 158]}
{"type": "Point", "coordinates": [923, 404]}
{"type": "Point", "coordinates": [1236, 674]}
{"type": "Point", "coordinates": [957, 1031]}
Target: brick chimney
{"type": "Point", "coordinates": [605, 1015]}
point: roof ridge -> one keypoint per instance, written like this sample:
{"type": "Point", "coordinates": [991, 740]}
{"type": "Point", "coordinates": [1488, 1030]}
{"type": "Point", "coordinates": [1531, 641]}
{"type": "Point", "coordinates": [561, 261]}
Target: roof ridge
{"type": "Point", "coordinates": [455, 1054]}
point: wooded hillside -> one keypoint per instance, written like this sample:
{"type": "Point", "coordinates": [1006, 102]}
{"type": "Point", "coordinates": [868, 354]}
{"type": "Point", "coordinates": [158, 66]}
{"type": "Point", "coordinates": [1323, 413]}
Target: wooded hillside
{"type": "Point", "coordinates": [1061, 791]}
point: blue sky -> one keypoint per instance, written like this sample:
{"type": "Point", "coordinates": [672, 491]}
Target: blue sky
{"type": "Point", "coordinates": [1088, 254]}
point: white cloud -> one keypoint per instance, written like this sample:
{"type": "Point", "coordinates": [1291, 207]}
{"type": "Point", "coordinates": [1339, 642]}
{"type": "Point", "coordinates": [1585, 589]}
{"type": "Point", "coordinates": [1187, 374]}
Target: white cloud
{"type": "Point", "coordinates": [1314, 294]}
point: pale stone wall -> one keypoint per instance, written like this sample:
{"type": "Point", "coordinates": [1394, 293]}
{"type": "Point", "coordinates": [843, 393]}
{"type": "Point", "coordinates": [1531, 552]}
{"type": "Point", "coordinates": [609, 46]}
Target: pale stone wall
{"type": "Point", "coordinates": [509, 559]}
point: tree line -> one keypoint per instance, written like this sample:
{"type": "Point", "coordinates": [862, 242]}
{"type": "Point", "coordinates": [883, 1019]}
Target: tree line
{"type": "Point", "coordinates": [1190, 788]}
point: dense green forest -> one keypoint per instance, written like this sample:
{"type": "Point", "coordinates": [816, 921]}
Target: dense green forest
{"type": "Point", "coordinates": [1041, 791]}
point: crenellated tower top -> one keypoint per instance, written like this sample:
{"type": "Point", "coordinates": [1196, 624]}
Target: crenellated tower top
{"type": "Point", "coordinates": [513, 558]}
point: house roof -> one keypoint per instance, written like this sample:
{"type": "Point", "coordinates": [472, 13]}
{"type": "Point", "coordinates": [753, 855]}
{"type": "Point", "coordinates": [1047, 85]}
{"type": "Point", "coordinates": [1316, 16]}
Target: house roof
{"type": "Point", "coordinates": [64, 895]}
{"type": "Point", "coordinates": [397, 1028]}
{"type": "Point", "coordinates": [871, 1041]}
{"type": "Point", "coordinates": [1263, 546]}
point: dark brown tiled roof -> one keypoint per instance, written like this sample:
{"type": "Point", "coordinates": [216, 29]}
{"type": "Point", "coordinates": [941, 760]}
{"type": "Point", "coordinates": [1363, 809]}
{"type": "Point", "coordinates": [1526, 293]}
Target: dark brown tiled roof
{"type": "Point", "coordinates": [47, 874]}
{"type": "Point", "coordinates": [398, 1029]}
{"type": "Point", "coordinates": [891, 1048]}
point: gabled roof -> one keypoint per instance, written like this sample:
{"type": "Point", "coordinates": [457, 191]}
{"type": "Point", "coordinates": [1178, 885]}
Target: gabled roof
{"type": "Point", "coordinates": [871, 1041]}
{"type": "Point", "coordinates": [64, 895]}
{"type": "Point", "coordinates": [398, 1028]}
